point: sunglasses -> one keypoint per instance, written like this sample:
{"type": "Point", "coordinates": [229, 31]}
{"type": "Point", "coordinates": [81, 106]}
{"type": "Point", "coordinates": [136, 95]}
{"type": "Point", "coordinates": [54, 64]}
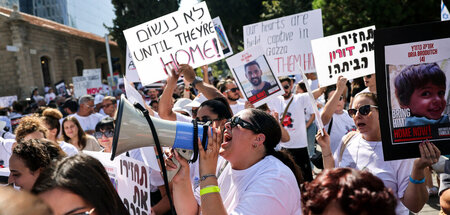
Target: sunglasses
{"type": "Point", "coordinates": [363, 110]}
{"type": "Point", "coordinates": [108, 133]}
{"type": "Point", "coordinates": [232, 90]}
{"type": "Point", "coordinates": [244, 124]}
{"type": "Point", "coordinates": [286, 86]}
{"type": "Point", "coordinates": [368, 76]}
{"type": "Point", "coordinates": [206, 119]}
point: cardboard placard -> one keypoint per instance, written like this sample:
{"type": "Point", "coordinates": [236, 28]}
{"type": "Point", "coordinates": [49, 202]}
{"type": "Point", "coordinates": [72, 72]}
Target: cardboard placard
{"type": "Point", "coordinates": [6, 101]}
{"type": "Point", "coordinates": [131, 72]}
{"type": "Point", "coordinates": [254, 76]}
{"type": "Point", "coordinates": [84, 85]}
{"type": "Point", "coordinates": [61, 88]}
{"type": "Point", "coordinates": [413, 82]}
{"type": "Point", "coordinates": [131, 179]}
{"type": "Point", "coordinates": [183, 37]}
{"type": "Point", "coordinates": [222, 36]}
{"type": "Point", "coordinates": [287, 41]}
{"type": "Point", "coordinates": [350, 54]}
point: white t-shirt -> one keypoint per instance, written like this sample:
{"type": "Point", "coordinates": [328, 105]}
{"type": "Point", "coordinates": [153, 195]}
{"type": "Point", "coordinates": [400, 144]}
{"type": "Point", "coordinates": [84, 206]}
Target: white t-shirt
{"type": "Point", "coordinates": [294, 121]}
{"type": "Point", "coordinates": [368, 155]}
{"type": "Point", "coordinates": [68, 148]}
{"type": "Point", "coordinates": [6, 150]}
{"type": "Point", "coordinates": [182, 118]}
{"type": "Point", "coordinates": [49, 97]}
{"type": "Point", "coordinates": [237, 107]}
{"type": "Point", "coordinates": [267, 187]}
{"type": "Point", "coordinates": [342, 124]}
{"type": "Point", "coordinates": [88, 122]}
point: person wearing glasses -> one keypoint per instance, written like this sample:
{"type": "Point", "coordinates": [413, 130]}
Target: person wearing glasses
{"type": "Point", "coordinates": [232, 93]}
{"type": "Point", "coordinates": [104, 133]}
{"type": "Point", "coordinates": [249, 176]}
{"type": "Point", "coordinates": [85, 114]}
{"type": "Point", "coordinates": [78, 185]}
{"type": "Point", "coordinates": [334, 115]}
{"type": "Point", "coordinates": [74, 134]}
{"type": "Point", "coordinates": [109, 106]}
{"type": "Point", "coordinates": [363, 151]}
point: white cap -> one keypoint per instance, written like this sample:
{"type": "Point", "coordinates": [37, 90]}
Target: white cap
{"type": "Point", "coordinates": [98, 99]}
{"type": "Point", "coordinates": [197, 101]}
{"type": "Point", "coordinates": [181, 105]}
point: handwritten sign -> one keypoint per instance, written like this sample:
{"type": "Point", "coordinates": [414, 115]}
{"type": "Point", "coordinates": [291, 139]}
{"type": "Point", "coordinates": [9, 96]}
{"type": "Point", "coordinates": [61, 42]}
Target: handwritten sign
{"type": "Point", "coordinates": [131, 72]}
{"type": "Point", "coordinates": [187, 36]}
{"type": "Point", "coordinates": [6, 101]}
{"type": "Point", "coordinates": [222, 36]}
{"type": "Point", "coordinates": [131, 179]}
{"type": "Point", "coordinates": [287, 41]}
{"type": "Point", "coordinates": [254, 76]}
{"type": "Point", "coordinates": [84, 85]}
{"type": "Point", "coordinates": [350, 54]}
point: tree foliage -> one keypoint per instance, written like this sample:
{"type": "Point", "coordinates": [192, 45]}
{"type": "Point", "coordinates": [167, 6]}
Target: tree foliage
{"type": "Point", "coordinates": [345, 15]}
{"type": "Point", "coordinates": [130, 13]}
{"type": "Point", "coordinates": [279, 8]}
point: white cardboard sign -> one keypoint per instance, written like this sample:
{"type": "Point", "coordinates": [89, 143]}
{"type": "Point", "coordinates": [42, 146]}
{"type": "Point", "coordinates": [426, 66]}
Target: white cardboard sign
{"type": "Point", "coordinates": [350, 54]}
{"type": "Point", "coordinates": [131, 72]}
{"type": "Point", "coordinates": [254, 76]}
{"type": "Point", "coordinates": [287, 41]}
{"type": "Point", "coordinates": [186, 36]}
{"type": "Point", "coordinates": [6, 101]}
{"type": "Point", "coordinates": [83, 85]}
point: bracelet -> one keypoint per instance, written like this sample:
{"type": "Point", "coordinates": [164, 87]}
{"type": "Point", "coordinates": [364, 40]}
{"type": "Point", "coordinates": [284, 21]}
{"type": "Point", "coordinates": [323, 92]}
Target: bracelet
{"type": "Point", "coordinates": [209, 189]}
{"type": "Point", "coordinates": [204, 177]}
{"type": "Point", "coordinates": [326, 155]}
{"type": "Point", "coordinates": [416, 181]}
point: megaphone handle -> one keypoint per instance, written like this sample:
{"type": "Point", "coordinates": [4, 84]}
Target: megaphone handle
{"type": "Point", "coordinates": [186, 154]}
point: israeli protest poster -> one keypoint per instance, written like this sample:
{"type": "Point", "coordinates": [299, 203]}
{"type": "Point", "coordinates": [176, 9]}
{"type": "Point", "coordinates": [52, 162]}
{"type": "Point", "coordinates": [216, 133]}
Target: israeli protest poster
{"type": "Point", "coordinates": [7, 101]}
{"type": "Point", "coordinates": [413, 82]}
{"type": "Point", "coordinates": [61, 88]}
{"type": "Point", "coordinates": [187, 36]}
{"type": "Point", "coordinates": [222, 36]}
{"type": "Point", "coordinates": [445, 15]}
{"type": "Point", "coordinates": [287, 41]}
{"type": "Point", "coordinates": [131, 72]}
{"type": "Point", "coordinates": [86, 85]}
{"type": "Point", "coordinates": [254, 76]}
{"type": "Point", "coordinates": [350, 54]}
{"type": "Point", "coordinates": [131, 178]}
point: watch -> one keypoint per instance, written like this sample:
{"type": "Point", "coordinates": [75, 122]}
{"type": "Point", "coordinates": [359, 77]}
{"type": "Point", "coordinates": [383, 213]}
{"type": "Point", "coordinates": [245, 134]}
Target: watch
{"type": "Point", "coordinates": [196, 80]}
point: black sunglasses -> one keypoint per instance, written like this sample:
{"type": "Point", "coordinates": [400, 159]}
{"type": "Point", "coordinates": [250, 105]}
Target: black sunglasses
{"type": "Point", "coordinates": [244, 124]}
{"type": "Point", "coordinates": [363, 110]}
{"type": "Point", "coordinates": [232, 90]}
{"type": "Point", "coordinates": [108, 133]}
{"type": "Point", "coordinates": [206, 119]}
{"type": "Point", "coordinates": [368, 76]}
{"type": "Point", "coordinates": [286, 86]}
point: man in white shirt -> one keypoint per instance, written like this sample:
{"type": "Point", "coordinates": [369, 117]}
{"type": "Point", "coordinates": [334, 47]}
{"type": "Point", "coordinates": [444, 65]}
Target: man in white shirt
{"type": "Point", "coordinates": [294, 123]}
{"type": "Point", "coordinates": [231, 92]}
{"type": "Point", "coordinates": [86, 116]}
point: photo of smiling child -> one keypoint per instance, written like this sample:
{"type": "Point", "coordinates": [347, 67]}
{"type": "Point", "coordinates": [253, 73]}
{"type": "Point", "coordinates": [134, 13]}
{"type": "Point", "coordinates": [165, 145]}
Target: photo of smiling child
{"type": "Point", "coordinates": [421, 90]}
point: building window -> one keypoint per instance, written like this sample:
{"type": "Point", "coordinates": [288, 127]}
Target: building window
{"type": "Point", "coordinates": [45, 66]}
{"type": "Point", "coordinates": [80, 67]}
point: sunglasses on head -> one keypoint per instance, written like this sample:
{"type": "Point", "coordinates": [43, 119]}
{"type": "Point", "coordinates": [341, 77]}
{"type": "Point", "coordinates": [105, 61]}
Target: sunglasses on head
{"type": "Point", "coordinates": [232, 90]}
{"type": "Point", "coordinates": [108, 133]}
{"type": "Point", "coordinates": [363, 110]}
{"type": "Point", "coordinates": [244, 124]}
{"type": "Point", "coordinates": [286, 86]}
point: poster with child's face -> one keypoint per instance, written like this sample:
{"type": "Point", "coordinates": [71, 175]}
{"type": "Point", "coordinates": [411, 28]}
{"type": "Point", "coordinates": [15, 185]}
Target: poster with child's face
{"type": "Point", "coordinates": [415, 77]}
{"type": "Point", "coordinates": [254, 76]}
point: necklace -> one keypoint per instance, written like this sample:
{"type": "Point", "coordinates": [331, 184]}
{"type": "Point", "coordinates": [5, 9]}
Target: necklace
{"type": "Point", "coordinates": [370, 158]}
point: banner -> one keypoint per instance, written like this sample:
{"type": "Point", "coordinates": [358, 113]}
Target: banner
{"type": "Point", "coordinates": [413, 82]}
{"type": "Point", "coordinates": [6, 101]}
{"type": "Point", "coordinates": [84, 85]}
{"type": "Point", "coordinates": [131, 72]}
{"type": "Point", "coordinates": [254, 76]}
{"type": "Point", "coordinates": [187, 36]}
{"type": "Point", "coordinates": [222, 36]}
{"type": "Point", "coordinates": [287, 41]}
{"type": "Point", "coordinates": [131, 179]}
{"type": "Point", "coordinates": [350, 54]}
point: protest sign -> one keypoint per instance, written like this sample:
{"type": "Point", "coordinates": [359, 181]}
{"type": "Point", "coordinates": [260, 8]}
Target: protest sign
{"type": "Point", "coordinates": [6, 101]}
{"type": "Point", "coordinates": [183, 37]}
{"type": "Point", "coordinates": [254, 76]}
{"type": "Point", "coordinates": [131, 179]}
{"type": "Point", "coordinates": [61, 88]}
{"type": "Point", "coordinates": [349, 54]}
{"type": "Point", "coordinates": [131, 72]}
{"type": "Point", "coordinates": [132, 94]}
{"type": "Point", "coordinates": [222, 36]}
{"type": "Point", "coordinates": [287, 41]}
{"type": "Point", "coordinates": [313, 102]}
{"type": "Point", "coordinates": [445, 15]}
{"type": "Point", "coordinates": [413, 76]}
{"type": "Point", "coordinates": [84, 85]}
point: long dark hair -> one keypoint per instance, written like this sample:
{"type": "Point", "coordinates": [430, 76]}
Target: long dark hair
{"type": "Point", "coordinates": [219, 106]}
{"type": "Point", "coordinates": [81, 134]}
{"type": "Point", "coordinates": [270, 127]}
{"type": "Point", "coordinates": [85, 176]}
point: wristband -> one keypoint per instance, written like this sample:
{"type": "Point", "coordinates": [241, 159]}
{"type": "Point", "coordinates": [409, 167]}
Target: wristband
{"type": "Point", "coordinates": [416, 181]}
{"type": "Point", "coordinates": [204, 177]}
{"type": "Point", "coordinates": [209, 189]}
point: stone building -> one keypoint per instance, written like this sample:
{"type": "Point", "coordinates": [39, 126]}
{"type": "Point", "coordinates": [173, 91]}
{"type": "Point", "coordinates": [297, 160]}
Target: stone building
{"type": "Point", "coordinates": [36, 52]}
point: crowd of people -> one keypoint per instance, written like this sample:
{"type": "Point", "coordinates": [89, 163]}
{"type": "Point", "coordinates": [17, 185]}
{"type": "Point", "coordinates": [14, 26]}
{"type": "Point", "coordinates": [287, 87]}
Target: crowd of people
{"type": "Point", "coordinates": [256, 161]}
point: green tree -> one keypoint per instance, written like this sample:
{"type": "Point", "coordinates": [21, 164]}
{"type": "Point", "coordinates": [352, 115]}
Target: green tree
{"type": "Point", "coordinates": [130, 13]}
{"type": "Point", "coordinates": [345, 15]}
{"type": "Point", "coordinates": [279, 8]}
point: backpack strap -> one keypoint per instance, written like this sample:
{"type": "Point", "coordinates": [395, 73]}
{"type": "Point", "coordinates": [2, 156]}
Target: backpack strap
{"type": "Point", "coordinates": [347, 139]}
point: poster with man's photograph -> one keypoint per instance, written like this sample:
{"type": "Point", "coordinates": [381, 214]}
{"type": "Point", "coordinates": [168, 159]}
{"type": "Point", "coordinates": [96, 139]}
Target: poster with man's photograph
{"type": "Point", "coordinates": [254, 76]}
{"type": "Point", "coordinates": [61, 89]}
{"type": "Point", "coordinates": [417, 82]}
